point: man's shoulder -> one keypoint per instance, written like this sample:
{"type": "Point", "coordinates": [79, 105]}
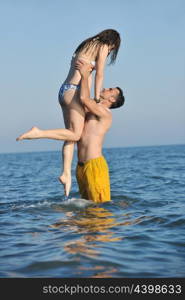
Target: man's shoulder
{"type": "Point", "coordinates": [106, 112]}
{"type": "Point", "coordinates": [106, 116]}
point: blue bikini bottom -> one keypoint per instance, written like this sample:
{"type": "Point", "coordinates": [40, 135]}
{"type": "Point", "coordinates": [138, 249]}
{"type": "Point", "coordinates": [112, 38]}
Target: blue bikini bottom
{"type": "Point", "coordinates": [67, 86]}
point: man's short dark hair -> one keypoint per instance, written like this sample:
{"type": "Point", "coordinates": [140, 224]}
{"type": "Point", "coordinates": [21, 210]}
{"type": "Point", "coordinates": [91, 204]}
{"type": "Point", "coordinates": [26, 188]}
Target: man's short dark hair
{"type": "Point", "coordinates": [120, 100]}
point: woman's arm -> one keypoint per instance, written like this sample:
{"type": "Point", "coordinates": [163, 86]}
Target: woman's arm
{"type": "Point", "coordinates": [90, 81]}
{"type": "Point", "coordinates": [100, 65]}
{"type": "Point", "coordinates": [88, 103]}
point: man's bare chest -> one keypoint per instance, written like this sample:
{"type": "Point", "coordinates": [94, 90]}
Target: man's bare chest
{"type": "Point", "coordinates": [91, 117]}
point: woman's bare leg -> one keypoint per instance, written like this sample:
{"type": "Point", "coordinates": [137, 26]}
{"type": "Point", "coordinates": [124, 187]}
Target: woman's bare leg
{"type": "Point", "coordinates": [70, 112]}
{"type": "Point", "coordinates": [67, 157]}
{"type": "Point", "coordinates": [54, 134]}
{"type": "Point", "coordinates": [74, 113]}
{"type": "Point", "coordinates": [74, 119]}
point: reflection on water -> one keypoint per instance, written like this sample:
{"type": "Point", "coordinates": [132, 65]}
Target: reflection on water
{"type": "Point", "coordinates": [94, 223]}
{"type": "Point", "coordinates": [138, 234]}
{"type": "Point", "coordinates": [101, 271]}
{"type": "Point", "coordinates": [96, 226]}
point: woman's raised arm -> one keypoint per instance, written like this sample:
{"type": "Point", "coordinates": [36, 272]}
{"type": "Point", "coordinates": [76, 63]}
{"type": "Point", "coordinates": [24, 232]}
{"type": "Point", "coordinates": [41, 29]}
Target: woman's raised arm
{"type": "Point", "coordinates": [100, 65]}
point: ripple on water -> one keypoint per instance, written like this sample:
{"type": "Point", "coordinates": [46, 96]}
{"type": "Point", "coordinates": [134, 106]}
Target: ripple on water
{"type": "Point", "coordinates": [139, 234]}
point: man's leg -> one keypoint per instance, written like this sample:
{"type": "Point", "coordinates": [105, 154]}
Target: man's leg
{"type": "Point", "coordinates": [97, 180]}
{"type": "Point", "coordinates": [81, 182]}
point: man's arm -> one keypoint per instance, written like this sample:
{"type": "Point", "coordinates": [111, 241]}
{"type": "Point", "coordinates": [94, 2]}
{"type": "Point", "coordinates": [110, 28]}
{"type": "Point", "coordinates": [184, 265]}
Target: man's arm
{"type": "Point", "coordinates": [89, 103]}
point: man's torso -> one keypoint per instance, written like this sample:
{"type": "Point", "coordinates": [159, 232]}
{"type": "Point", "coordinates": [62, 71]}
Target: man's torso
{"type": "Point", "coordinates": [95, 128]}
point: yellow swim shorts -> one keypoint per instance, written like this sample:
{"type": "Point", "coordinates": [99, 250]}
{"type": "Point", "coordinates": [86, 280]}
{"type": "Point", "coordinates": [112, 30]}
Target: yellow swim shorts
{"type": "Point", "coordinates": [93, 179]}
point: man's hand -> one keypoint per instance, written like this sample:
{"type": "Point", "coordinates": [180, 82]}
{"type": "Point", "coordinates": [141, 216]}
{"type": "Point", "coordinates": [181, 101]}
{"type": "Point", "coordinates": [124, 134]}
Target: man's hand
{"type": "Point", "coordinates": [84, 68]}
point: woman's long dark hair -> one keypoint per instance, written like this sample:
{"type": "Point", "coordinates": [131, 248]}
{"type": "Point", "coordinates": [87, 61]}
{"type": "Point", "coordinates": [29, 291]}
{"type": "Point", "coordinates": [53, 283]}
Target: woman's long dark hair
{"type": "Point", "coordinates": [108, 37]}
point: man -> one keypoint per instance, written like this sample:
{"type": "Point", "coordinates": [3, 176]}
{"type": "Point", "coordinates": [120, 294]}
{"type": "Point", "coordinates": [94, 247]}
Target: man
{"type": "Point", "coordinates": [92, 170]}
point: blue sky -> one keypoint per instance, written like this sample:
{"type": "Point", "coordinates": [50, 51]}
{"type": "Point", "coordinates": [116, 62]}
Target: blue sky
{"type": "Point", "coordinates": [38, 39]}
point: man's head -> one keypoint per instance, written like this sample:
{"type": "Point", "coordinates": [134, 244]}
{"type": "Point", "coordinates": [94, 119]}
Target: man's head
{"type": "Point", "coordinates": [112, 97]}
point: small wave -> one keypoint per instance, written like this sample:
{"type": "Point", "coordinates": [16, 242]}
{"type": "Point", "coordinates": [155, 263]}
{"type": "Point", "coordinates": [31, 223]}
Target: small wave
{"type": "Point", "coordinates": [176, 222]}
{"type": "Point", "coordinates": [33, 205]}
{"type": "Point", "coordinates": [79, 203]}
{"type": "Point", "coordinates": [157, 177]}
{"type": "Point", "coordinates": [73, 202]}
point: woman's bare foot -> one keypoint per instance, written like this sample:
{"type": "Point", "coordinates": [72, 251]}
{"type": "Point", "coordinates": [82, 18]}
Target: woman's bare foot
{"type": "Point", "coordinates": [33, 133]}
{"type": "Point", "coordinates": [65, 179]}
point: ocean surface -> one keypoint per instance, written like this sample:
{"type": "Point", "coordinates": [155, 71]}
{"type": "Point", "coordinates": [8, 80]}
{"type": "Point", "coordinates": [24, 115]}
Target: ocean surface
{"type": "Point", "coordinates": [141, 233]}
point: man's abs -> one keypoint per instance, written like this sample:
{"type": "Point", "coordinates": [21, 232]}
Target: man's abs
{"type": "Point", "coordinates": [89, 149]}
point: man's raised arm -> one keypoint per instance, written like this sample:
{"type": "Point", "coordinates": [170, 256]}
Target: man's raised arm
{"type": "Point", "coordinates": [89, 103]}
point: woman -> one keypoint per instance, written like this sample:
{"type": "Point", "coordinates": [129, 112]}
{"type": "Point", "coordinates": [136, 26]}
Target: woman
{"type": "Point", "coordinates": [94, 50]}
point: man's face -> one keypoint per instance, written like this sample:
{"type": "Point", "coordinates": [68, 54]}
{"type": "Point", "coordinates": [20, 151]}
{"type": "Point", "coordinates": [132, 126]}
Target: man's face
{"type": "Point", "coordinates": [110, 92]}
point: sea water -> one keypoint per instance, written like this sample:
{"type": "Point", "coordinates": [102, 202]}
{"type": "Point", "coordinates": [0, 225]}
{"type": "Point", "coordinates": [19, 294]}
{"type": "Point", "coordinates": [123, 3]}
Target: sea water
{"type": "Point", "coordinates": [140, 233]}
